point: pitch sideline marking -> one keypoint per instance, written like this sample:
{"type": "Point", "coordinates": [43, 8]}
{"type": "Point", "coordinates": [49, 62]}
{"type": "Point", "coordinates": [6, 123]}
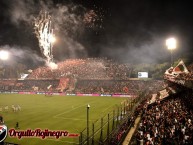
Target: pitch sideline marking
{"type": "Point", "coordinates": [71, 110]}
{"type": "Point", "coordinates": [82, 119]}
{"type": "Point", "coordinates": [73, 118]}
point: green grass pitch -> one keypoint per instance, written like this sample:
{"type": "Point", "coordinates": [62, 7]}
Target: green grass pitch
{"type": "Point", "coordinates": [53, 113]}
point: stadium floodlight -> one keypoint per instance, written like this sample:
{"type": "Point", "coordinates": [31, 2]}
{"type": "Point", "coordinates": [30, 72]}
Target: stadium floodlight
{"type": "Point", "coordinates": [171, 45]}
{"type": "Point", "coordinates": [4, 55]}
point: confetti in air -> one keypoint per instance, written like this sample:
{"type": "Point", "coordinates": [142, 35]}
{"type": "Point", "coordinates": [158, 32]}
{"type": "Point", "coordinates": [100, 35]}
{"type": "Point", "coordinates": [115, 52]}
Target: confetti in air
{"type": "Point", "coordinates": [45, 35]}
{"type": "Point", "coordinates": [90, 18]}
{"type": "Point", "coordinates": [93, 19]}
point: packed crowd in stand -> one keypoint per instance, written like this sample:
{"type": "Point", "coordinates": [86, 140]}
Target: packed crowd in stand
{"type": "Point", "coordinates": [118, 86]}
{"type": "Point", "coordinates": [188, 76]}
{"type": "Point", "coordinates": [27, 85]}
{"type": "Point", "coordinates": [90, 68]}
{"type": "Point", "coordinates": [168, 121]}
{"type": "Point", "coordinates": [7, 84]}
{"type": "Point", "coordinates": [141, 103]}
{"type": "Point", "coordinates": [131, 87]}
{"type": "Point", "coordinates": [183, 76]}
{"type": "Point", "coordinates": [127, 124]}
{"type": "Point", "coordinates": [34, 85]}
{"type": "Point", "coordinates": [190, 68]}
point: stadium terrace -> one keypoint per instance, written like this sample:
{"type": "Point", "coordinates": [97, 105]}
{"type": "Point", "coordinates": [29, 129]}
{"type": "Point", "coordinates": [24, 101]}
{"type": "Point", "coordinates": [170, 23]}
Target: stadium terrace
{"type": "Point", "coordinates": [159, 110]}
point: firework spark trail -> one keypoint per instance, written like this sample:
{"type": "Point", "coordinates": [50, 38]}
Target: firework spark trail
{"type": "Point", "coordinates": [45, 35]}
{"type": "Point", "coordinates": [93, 19]}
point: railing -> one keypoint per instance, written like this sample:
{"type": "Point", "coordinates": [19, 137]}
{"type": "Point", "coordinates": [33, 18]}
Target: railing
{"type": "Point", "coordinates": [112, 127]}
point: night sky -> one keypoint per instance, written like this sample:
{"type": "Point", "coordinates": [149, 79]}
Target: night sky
{"type": "Point", "coordinates": [128, 31]}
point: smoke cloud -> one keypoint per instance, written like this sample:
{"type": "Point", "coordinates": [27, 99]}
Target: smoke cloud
{"type": "Point", "coordinates": [132, 34]}
{"type": "Point", "coordinates": [152, 51]}
{"type": "Point", "coordinates": [21, 11]}
{"type": "Point", "coordinates": [22, 55]}
{"type": "Point", "coordinates": [67, 20]}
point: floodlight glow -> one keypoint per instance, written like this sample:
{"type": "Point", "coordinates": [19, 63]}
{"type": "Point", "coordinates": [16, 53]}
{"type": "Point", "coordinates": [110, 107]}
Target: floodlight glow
{"type": "Point", "coordinates": [171, 43]}
{"type": "Point", "coordinates": [4, 55]}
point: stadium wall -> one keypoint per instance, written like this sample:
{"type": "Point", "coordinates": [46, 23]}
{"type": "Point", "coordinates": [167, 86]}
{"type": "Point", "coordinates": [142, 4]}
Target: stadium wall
{"type": "Point", "coordinates": [71, 94]}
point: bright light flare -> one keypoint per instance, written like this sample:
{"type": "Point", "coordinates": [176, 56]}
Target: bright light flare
{"type": "Point", "coordinates": [52, 39]}
{"type": "Point", "coordinates": [44, 33]}
{"type": "Point", "coordinates": [4, 55]}
{"type": "Point", "coordinates": [171, 43]}
{"type": "Point", "coordinates": [52, 65]}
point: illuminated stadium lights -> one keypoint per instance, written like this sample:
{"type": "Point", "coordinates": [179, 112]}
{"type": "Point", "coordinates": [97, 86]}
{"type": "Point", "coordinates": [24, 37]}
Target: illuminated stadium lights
{"type": "Point", "coordinates": [171, 45]}
{"type": "Point", "coordinates": [4, 55]}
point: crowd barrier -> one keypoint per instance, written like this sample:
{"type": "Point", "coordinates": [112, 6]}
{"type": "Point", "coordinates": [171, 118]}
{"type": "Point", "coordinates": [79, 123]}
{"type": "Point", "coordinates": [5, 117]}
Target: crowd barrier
{"type": "Point", "coordinates": [70, 94]}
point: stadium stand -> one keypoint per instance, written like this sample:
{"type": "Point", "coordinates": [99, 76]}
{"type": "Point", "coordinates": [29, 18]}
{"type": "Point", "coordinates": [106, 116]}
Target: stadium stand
{"type": "Point", "coordinates": [118, 86]}
{"type": "Point", "coordinates": [167, 122]}
{"type": "Point", "coordinates": [167, 117]}
{"type": "Point", "coordinates": [166, 114]}
{"type": "Point", "coordinates": [91, 68]}
{"type": "Point", "coordinates": [34, 85]}
{"type": "Point", "coordinates": [68, 84]}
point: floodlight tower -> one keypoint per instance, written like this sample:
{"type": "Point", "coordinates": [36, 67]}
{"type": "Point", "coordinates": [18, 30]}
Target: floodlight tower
{"type": "Point", "coordinates": [171, 45]}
